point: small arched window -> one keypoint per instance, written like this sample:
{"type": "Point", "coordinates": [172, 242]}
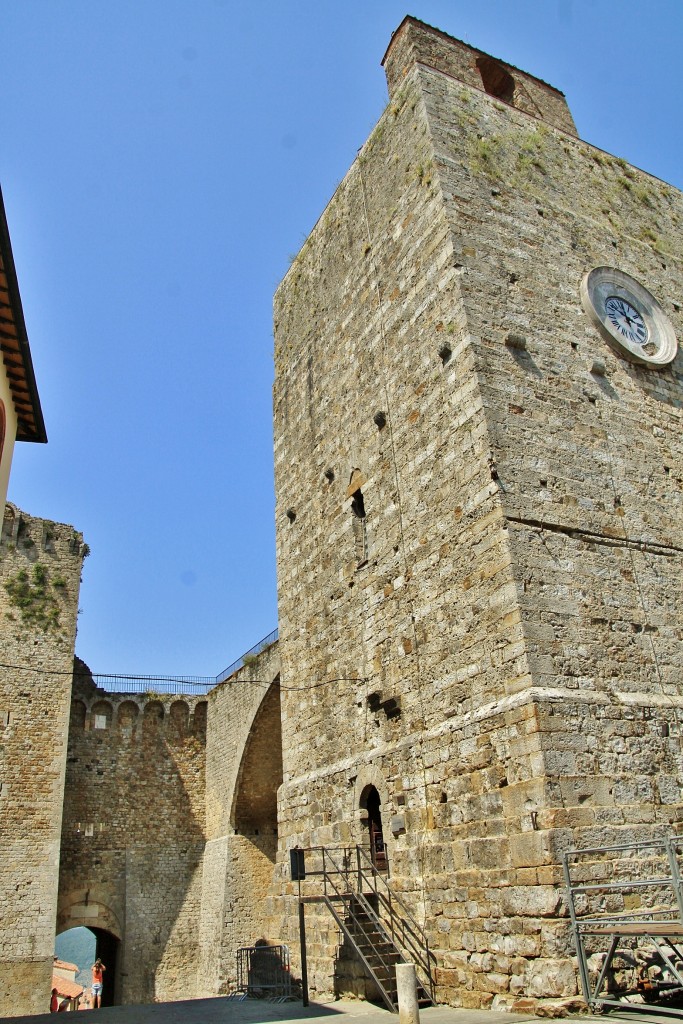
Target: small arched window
{"type": "Point", "coordinates": [359, 517]}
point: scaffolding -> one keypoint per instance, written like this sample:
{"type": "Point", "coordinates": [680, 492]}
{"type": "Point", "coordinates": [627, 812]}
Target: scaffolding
{"type": "Point", "coordinates": [626, 909]}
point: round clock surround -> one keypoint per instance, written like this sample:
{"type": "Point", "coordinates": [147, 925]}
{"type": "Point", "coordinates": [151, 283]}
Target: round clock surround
{"type": "Point", "coordinates": [628, 317]}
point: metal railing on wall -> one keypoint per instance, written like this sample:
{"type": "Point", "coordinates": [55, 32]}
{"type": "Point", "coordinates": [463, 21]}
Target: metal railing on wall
{"type": "Point", "coordinates": [251, 653]}
{"type": "Point", "coordinates": [187, 685]}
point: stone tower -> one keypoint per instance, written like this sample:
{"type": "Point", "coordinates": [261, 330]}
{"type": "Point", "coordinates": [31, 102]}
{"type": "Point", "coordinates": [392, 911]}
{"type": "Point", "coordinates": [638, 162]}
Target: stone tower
{"type": "Point", "coordinates": [479, 514]}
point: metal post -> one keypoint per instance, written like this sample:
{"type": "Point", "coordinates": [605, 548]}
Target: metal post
{"type": "Point", "coordinates": [576, 931]}
{"type": "Point", "coordinates": [676, 881]}
{"type": "Point", "coordinates": [304, 965]}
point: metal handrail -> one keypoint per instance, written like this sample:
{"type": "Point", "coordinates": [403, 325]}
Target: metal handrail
{"type": "Point", "coordinates": [341, 924]}
{"type": "Point", "coordinates": [413, 937]}
{"type": "Point", "coordinates": [347, 902]}
{"type": "Point", "coordinates": [256, 649]}
{"type": "Point", "coordinates": [404, 933]}
{"type": "Point", "coordinates": [190, 686]}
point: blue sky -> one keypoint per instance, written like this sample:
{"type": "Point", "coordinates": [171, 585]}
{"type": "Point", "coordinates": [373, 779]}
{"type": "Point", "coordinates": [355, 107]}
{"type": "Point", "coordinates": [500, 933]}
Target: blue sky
{"type": "Point", "coordinates": [161, 160]}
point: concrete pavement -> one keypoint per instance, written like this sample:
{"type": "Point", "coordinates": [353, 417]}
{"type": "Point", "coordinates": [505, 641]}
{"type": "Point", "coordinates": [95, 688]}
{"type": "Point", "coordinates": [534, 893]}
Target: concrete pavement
{"type": "Point", "coordinates": [257, 1011]}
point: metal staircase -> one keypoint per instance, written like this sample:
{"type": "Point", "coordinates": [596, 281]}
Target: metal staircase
{"type": "Point", "coordinates": [374, 920]}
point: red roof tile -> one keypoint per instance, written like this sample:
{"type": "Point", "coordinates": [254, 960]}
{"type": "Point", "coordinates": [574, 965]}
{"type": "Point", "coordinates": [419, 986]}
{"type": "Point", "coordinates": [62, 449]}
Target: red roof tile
{"type": "Point", "coordinates": [66, 988]}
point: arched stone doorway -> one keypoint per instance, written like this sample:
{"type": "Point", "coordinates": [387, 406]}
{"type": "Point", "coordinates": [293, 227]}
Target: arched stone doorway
{"type": "Point", "coordinates": [89, 910]}
{"type": "Point", "coordinates": [106, 946]}
{"type": "Point", "coordinates": [370, 802]}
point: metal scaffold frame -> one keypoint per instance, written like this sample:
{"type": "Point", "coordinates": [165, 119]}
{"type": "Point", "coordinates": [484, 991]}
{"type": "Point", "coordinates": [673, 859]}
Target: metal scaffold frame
{"type": "Point", "coordinates": [626, 909]}
{"type": "Point", "coordinates": [264, 972]}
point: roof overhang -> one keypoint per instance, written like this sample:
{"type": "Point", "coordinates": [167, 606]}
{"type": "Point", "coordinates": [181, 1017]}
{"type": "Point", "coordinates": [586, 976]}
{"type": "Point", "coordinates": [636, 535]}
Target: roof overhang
{"type": "Point", "coordinates": [14, 346]}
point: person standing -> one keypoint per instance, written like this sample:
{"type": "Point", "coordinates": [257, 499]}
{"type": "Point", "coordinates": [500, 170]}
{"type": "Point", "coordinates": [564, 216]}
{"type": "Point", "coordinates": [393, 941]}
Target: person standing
{"type": "Point", "coordinates": [54, 1001]}
{"type": "Point", "coordinates": [98, 970]}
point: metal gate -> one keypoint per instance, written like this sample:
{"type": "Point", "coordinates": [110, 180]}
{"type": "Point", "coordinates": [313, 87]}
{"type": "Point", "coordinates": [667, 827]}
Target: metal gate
{"type": "Point", "coordinates": [263, 972]}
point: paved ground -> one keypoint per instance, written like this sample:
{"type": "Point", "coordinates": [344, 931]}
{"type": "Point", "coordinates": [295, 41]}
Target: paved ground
{"type": "Point", "coordinates": [223, 1011]}
{"type": "Point", "coordinates": [257, 1011]}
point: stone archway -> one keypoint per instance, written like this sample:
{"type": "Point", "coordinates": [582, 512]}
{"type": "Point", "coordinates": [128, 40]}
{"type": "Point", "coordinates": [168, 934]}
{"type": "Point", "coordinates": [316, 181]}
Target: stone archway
{"type": "Point", "coordinates": [254, 807]}
{"type": "Point", "coordinates": [241, 864]}
{"type": "Point", "coordinates": [82, 911]}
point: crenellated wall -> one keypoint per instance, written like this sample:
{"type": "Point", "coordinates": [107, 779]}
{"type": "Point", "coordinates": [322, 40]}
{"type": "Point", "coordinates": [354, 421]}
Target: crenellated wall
{"type": "Point", "coordinates": [170, 828]}
{"type": "Point", "coordinates": [134, 832]}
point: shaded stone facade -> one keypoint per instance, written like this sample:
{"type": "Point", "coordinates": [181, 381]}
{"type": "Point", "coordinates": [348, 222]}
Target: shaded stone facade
{"type": "Point", "coordinates": [243, 774]}
{"type": "Point", "coordinates": [169, 831]}
{"type": "Point", "coordinates": [133, 835]}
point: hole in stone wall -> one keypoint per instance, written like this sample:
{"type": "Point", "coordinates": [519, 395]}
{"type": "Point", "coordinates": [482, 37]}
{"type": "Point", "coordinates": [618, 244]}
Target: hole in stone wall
{"type": "Point", "coordinates": [359, 526]}
{"type": "Point", "coordinates": [495, 79]}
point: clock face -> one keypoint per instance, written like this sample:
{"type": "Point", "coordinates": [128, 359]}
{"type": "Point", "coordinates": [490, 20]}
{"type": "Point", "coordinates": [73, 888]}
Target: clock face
{"type": "Point", "coordinates": [628, 317]}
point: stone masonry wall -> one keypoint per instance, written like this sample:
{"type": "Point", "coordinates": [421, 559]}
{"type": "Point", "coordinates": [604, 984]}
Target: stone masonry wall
{"type": "Point", "coordinates": [360, 320]}
{"type": "Point", "coordinates": [244, 771]}
{"type": "Point", "coordinates": [585, 448]}
{"type": "Point", "coordinates": [40, 566]}
{"type": "Point", "coordinates": [515, 571]}
{"type": "Point", "coordinates": [133, 833]}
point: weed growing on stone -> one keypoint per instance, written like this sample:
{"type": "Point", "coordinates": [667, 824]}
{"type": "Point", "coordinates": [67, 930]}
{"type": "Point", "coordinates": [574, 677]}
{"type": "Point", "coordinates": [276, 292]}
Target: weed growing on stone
{"type": "Point", "coordinates": [33, 599]}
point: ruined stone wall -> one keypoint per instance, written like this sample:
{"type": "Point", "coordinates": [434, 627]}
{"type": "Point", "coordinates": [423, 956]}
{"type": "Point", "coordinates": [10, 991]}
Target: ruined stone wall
{"type": "Point", "coordinates": [40, 566]}
{"type": "Point", "coordinates": [133, 833]}
{"type": "Point", "coordinates": [521, 544]}
{"type": "Point", "coordinates": [243, 773]}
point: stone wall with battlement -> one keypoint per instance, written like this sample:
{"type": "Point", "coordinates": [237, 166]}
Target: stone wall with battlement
{"type": "Point", "coordinates": [134, 832]}
{"type": "Point", "coordinates": [170, 827]}
{"type": "Point", "coordinates": [40, 567]}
